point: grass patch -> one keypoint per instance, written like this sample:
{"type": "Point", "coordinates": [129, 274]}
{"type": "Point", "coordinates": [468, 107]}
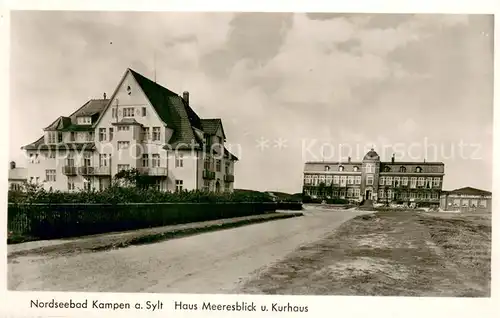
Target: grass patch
{"type": "Point", "coordinates": [396, 253]}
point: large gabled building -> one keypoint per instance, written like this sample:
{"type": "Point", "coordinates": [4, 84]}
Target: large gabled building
{"type": "Point", "coordinates": [372, 179]}
{"type": "Point", "coordinates": [142, 126]}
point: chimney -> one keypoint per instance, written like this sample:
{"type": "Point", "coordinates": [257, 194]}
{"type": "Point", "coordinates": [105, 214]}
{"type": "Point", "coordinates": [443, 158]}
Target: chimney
{"type": "Point", "coordinates": [393, 158]}
{"type": "Point", "coordinates": [349, 159]}
{"type": "Point", "coordinates": [104, 95]}
{"type": "Point", "coordinates": [185, 96]}
{"type": "Point", "coordinates": [12, 164]}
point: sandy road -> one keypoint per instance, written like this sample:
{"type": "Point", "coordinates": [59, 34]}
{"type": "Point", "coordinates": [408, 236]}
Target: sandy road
{"type": "Point", "coordinates": [216, 262]}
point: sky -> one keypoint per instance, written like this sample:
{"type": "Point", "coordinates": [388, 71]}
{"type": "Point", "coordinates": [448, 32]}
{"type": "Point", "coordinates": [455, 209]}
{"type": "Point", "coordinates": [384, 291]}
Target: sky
{"type": "Point", "coordinates": [289, 87]}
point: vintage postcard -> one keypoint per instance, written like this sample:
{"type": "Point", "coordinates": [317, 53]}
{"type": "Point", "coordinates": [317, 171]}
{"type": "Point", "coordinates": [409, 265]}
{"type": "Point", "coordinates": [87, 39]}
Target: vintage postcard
{"type": "Point", "coordinates": [227, 163]}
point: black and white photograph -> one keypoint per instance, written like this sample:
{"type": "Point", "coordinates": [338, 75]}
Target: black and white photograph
{"type": "Point", "coordinates": [250, 153]}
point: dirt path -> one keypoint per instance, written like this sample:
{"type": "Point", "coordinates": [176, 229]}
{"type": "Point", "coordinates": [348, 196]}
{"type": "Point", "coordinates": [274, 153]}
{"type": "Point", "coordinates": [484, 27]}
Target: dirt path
{"type": "Point", "coordinates": [214, 262]}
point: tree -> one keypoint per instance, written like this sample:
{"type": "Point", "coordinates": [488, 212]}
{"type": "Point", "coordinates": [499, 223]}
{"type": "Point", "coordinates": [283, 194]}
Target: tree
{"type": "Point", "coordinates": [134, 178]}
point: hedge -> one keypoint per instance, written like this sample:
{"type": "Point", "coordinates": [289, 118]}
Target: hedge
{"type": "Point", "coordinates": [50, 221]}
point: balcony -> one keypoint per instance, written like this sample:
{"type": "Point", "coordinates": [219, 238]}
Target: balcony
{"type": "Point", "coordinates": [69, 170]}
{"type": "Point", "coordinates": [229, 178]}
{"type": "Point", "coordinates": [156, 171]}
{"type": "Point", "coordinates": [94, 171]}
{"type": "Point", "coordinates": [208, 175]}
{"type": "Point", "coordinates": [86, 171]}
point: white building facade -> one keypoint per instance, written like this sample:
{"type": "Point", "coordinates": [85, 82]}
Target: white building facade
{"type": "Point", "coordinates": [142, 126]}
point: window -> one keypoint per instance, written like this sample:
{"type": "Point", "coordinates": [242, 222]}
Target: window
{"type": "Point", "coordinates": [123, 167]}
{"type": "Point", "coordinates": [335, 179]}
{"type": "Point", "coordinates": [113, 112]}
{"type": "Point", "coordinates": [51, 137]}
{"type": "Point", "coordinates": [307, 179]}
{"type": "Point", "coordinates": [227, 187]}
{"type": "Point", "coordinates": [206, 185]}
{"type": "Point", "coordinates": [71, 185]}
{"type": "Point", "coordinates": [356, 168]}
{"type": "Point", "coordinates": [207, 164]}
{"type": "Point", "coordinates": [335, 194]}
{"type": "Point", "coordinates": [387, 169]}
{"type": "Point", "coordinates": [158, 185]}
{"type": "Point", "coordinates": [413, 182]}
{"type": "Point", "coordinates": [179, 161]}
{"type": "Point", "coordinates": [322, 179]}
{"type": "Point", "coordinates": [356, 192]}
{"type": "Point", "coordinates": [437, 182]}
{"type": "Point", "coordinates": [228, 168]}
{"type": "Point", "coordinates": [350, 192]}
{"type": "Point", "coordinates": [144, 112]}
{"type": "Point", "coordinates": [145, 160]}
{"type": "Point", "coordinates": [465, 202]}
{"type": "Point", "coordinates": [412, 195]}
{"type": "Point", "coordinates": [329, 180]}
{"type": "Point", "coordinates": [421, 181]}
{"type": "Point", "coordinates": [156, 133]}
{"type": "Point", "coordinates": [418, 169]}
{"type": "Point", "coordinates": [128, 112]}
{"type": "Point", "coordinates": [404, 181]}
{"type": "Point", "coordinates": [52, 155]}
{"type": "Point", "coordinates": [103, 160]}
{"type": "Point", "coordinates": [369, 180]}
{"type": "Point", "coordinates": [123, 128]}
{"type": "Point", "coordinates": [350, 180]}
{"type": "Point", "coordinates": [388, 181]}
{"type": "Point", "coordinates": [327, 168]}
{"type": "Point", "coordinates": [145, 133]}
{"type": "Point", "coordinates": [36, 160]}
{"type": "Point", "coordinates": [397, 181]}
{"type": "Point", "coordinates": [428, 183]}
{"type": "Point", "coordinates": [381, 181]}
{"type": "Point", "coordinates": [59, 137]}
{"type": "Point", "coordinates": [343, 180]}
{"type": "Point", "coordinates": [70, 160]}
{"type": "Point", "coordinates": [358, 179]}
{"type": "Point", "coordinates": [110, 134]}
{"type": "Point", "coordinates": [86, 159]}
{"type": "Point", "coordinates": [90, 136]}
{"type": "Point", "coordinates": [72, 136]}
{"type": "Point", "coordinates": [86, 185]}
{"type": "Point", "coordinates": [342, 193]}
{"type": "Point", "coordinates": [402, 169]}
{"type": "Point", "coordinates": [381, 193]}
{"type": "Point", "coordinates": [315, 180]}
{"type": "Point", "coordinates": [436, 196]}
{"type": "Point", "coordinates": [178, 185]}
{"type": "Point", "coordinates": [482, 203]}
{"type": "Point", "coordinates": [123, 144]}
{"type": "Point", "coordinates": [155, 162]}
{"type": "Point", "coordinates": [370, 168]}
{"type": "Point", "coordinates": [102, 134]}
{"type": "Point", "coordinates": [50, 175]}
{"type": "Point", "coordinates": [341, 168]}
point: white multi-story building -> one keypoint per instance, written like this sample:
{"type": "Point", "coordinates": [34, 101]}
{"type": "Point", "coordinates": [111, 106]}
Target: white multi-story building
{"type": "Point", "coordinates": [143, 126]}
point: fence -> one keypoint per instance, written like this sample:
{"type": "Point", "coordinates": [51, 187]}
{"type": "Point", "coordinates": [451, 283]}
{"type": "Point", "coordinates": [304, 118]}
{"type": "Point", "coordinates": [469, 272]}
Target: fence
{"type": "Point", "coordinates": [50, 221]}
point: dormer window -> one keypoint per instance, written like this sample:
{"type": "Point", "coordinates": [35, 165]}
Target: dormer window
{"type": "Point", "coordinates": [387, 169]}
{"type": "Point", "coordinates": [356, 168]}
{"type": "Point", "coordinates": [341, 168]}
{"type": "Point", "coordinates": [327, 168]}
{"type": "Point", "coordinates": [84, 120]}
{"type": "Point", "coordinates": [418, 169]}
{"type": "Point", "coordinates": [402, 169]}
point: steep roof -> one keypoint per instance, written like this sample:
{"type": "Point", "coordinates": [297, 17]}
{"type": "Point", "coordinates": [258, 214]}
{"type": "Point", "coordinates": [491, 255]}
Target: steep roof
{"type": "Point", "coordinates": [173, 110]}
{"type": "Point", "coordinates": [470, 191]}
{"type": "Point", "coordinates": [90, 108]}
{"type": "Point", "coordinates": [210, 126]}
